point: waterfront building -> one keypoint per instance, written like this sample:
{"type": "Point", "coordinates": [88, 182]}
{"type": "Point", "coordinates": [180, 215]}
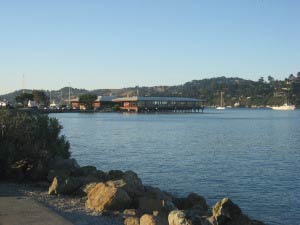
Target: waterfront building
{"type": "Point", "coordinates": [100, 102]}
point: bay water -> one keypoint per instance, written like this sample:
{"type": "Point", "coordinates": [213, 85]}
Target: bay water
{"type": "Point", "coordinates": [249, 155]}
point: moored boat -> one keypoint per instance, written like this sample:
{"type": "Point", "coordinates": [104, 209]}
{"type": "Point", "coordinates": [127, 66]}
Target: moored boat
{"type": "Point", "coordinates": [284, 107]}
{"type": "Point", "coordinates": [221, 107]}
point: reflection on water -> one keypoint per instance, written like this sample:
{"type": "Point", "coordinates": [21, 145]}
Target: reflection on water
{"type": "Point", "coordinates": [251, 156]}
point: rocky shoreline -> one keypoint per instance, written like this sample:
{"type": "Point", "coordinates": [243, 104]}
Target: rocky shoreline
{"type": "Point", "coordinates": [85, 195]}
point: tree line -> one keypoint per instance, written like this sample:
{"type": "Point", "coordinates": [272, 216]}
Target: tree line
{"type": "Point", "coordinates": [245, 93]}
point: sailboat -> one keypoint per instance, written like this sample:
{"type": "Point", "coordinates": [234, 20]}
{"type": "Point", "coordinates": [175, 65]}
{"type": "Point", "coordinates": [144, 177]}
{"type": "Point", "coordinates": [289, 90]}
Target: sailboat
{"type": "Point", "coordinates": [221, 107]}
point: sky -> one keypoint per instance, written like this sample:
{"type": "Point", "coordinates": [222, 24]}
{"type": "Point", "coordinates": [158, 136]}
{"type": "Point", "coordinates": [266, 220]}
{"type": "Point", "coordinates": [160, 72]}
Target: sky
{"type": "Point", "coordinates": [114, 44]}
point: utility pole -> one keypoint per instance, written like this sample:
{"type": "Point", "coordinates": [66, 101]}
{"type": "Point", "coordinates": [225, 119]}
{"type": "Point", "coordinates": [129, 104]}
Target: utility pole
{"type": "Point", "coordinates": [23, 83]}
{"type": "Point", "coordinates": [69, 96]}
{"type": "Point", "coordinates": [50, 97]}
{"type": "Point", "coordinates": [61, 97]}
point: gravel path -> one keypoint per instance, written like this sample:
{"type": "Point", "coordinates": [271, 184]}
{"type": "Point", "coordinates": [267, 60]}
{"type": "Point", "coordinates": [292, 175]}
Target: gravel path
{"type": "Point", "coordinates": [71, 208]}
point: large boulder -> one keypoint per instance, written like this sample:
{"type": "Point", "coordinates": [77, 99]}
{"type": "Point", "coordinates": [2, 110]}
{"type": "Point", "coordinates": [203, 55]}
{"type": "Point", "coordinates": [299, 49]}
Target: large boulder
{"type": "Point", "coordinates": [66, 183]}
{"type": "Point", "coordinates": [84, 171]}
{"type": "Point", "coordinates": [226, 208]}
{"type": "Point", "coordinates": [128, 180]}
{"type": "Point", "coordinates": [134, 186]}
{"type": "Point", "coordinates": [63, 164]}
{"type": "Point", "coordinates": [100, 175]}
{"type": "Point", "coordinates": [95, 177]}
{"type": "Point", "coordinates": [196, 200]}
{"type": "Point", "coordinates": [88, 187]}
{"type": "Point", "coordinates": [181, 217]}
{"type": "Point", "coordinates": [178, 217]}
{"type": "Point", "coordinates": [65, 186]}
{"type": "Point", "coordinates": [58, 173]}
{"type": "Point", "coordinates": [115, 174]}
{"type": "Point", "coordinates": [191, 201]}
{"type": "Point", "coordinates": [107, 196]}
{"type": "Point", "coordinates": [226, 212]}
{"type": "Point", "coordinates": [155, 200]}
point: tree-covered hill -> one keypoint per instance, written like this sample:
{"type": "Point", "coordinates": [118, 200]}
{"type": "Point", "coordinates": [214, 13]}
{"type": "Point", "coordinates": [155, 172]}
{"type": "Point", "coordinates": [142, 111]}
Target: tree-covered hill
{"type": "Point", "coordinates": [236, 91]}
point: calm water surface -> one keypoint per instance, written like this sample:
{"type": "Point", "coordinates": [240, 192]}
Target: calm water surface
{"type": "Point", "coordinates": [251, 156]}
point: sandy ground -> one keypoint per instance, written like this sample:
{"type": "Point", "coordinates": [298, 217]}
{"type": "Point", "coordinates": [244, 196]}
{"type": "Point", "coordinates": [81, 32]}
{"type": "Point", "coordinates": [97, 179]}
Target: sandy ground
{"type": "Point", "coordinates": [70, 208]}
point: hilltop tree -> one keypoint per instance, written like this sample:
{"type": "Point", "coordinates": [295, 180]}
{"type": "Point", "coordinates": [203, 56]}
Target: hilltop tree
{"type": "Point", "coordinates": [40, 97]}
{"type": "Point", "coordinates": [24, 98]}
{"type": "Point", "coordinates": [87, 100]}
{"type": "Point", "coordinates": [271, 79]}
{"type": "Point", "coordinates": [261, 80]}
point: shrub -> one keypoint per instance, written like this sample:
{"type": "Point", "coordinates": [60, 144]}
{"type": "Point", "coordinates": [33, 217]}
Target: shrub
{"type": "Point", "coordinates": [29, 136]}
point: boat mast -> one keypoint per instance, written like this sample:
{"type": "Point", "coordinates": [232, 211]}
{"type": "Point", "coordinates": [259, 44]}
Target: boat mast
{"type": "Point", "coordinates": [69, 96]}
{"type": "Point", "coordinates": [221, 98]}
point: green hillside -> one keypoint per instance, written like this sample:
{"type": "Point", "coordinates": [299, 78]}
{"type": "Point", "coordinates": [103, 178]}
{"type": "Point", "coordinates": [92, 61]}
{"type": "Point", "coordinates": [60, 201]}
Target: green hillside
{"type": "Point", "coordinates": [246, 93]}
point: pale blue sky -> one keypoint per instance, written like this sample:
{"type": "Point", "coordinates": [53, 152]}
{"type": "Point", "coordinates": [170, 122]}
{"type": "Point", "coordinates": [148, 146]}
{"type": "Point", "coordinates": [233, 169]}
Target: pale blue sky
{"type": "Point", "coordinates": [114, 44]}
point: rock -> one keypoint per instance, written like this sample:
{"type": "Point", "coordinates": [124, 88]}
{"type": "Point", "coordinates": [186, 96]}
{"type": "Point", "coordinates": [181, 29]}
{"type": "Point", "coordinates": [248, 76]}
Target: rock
{"type": "Point", "coordinates": [179, 203]}
{"type": "Point", "coordinates": [84, 171]}
{"type": "Point", "coordinates": [63, 164]}
{"type": "Point", "coordinates": [100, 175]}
{"type": "Point", "coordinates": [226, 208]}
{"type": "Point", "coordinates": [210, 221]}
{"type": "Point", "coordinates": [155, 200]}
{"type": "Point", "coordinates": [88, 187]}
{"type": "Point", "coordinates": [191, 201]}
{"type": "Point", "coordinates": [115, 174]}
{"type": "Point", "coordinates": [228, 213]}
{"type": "Point", "coordinates": [62, 185]}
{"type": "Point", "coordinates": [181, 217]}
{"type": "Point", "coordinates": [178, 217]}
{"type": "Point", "coordinates": [58, 173]}
{"type": "Point", "coordinates": [132, 221]}
{"type": "Point", "coordinates": [117, 183]}
{"type": "Point", "coordinates": [134, 186]}
{"type": "Point", "coordinates": [89, 179]}
{"type": "Point", "coordinates": [131, 212]}
{"type": "Point", "coordinates": [196, 200]}
{"type": "Point", "coordinates": [147, 219]}
{"type": "Point", "coordinates": [107, 196]}
{"type": "Point", "coordinates": [129, 181]}
{"type": "Point", "coordinates": [162, 217]}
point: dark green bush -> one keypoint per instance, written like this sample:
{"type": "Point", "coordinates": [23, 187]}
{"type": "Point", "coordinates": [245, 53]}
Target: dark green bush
{"type": "Point", "coordinates": [29, 136]}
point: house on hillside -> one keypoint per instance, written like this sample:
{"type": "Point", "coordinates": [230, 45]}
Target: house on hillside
{"type": "Point", "coordinates": [31, 104]}
{"type": "Point", "coordinates": [4, 104]}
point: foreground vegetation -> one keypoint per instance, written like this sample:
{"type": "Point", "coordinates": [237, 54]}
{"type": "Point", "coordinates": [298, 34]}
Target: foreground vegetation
{"type": "Point", "coordinates": [29, 141]}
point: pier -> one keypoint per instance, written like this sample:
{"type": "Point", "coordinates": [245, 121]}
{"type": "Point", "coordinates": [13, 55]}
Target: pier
{"type": "Point", "coordinates": [159, 104]}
